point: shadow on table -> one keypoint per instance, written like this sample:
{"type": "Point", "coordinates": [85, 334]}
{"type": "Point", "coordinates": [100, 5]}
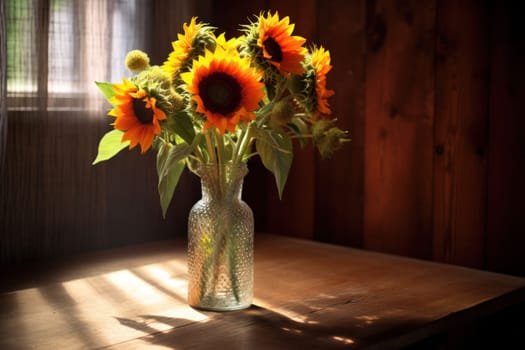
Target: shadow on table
{"type": "Point", "coordinates": [261, 328]}
{"type": "Point", "coordinates": [256, 327]}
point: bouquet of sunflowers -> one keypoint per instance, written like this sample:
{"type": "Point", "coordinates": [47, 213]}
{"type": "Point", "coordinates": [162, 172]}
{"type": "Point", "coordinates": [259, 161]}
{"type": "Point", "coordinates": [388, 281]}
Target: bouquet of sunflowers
{"type": "Point", "coordinates": [219, 101]}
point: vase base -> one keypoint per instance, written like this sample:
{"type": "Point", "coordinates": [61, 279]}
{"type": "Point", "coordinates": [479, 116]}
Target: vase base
{"type": "Point", "coordinates": [221, 308]}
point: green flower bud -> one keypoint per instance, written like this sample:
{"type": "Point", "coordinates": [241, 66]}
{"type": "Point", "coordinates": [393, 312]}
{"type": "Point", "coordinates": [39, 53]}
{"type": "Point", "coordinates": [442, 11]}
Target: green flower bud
{"type": "Point", "coordinates": [296, 84]}
{"type": "Point", "coordinates": [177, 100]}
{"type": "Point", "coordinates": [303, 89]}
{"type": "Point", "coordinates": [282, 113]}
{"type": "Point", "coordinates": [155, 76]}
{"type": "Point", "coordinates": [320, 127]}
{"type": "Point", "coordinates": [327, 137]}
{"type": "Point", "coordinates": [137, 60]}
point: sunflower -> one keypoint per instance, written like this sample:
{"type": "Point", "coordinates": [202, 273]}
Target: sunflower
{"type": "Point", "coordinates": [137, 114]}
{"type": "Point", "coordinates": [321, 63]}
{"type": "Point", "coordinates": [279, 47]}
{"type": "Point", "coordinates": [309, 89]}
{"type": "Point", "coordinates": [185, 45]}
{"type": "Point", "coordinates": [225, 87]}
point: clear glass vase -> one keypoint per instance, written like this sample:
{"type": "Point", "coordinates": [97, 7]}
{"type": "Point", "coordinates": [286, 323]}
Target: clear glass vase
{"type": "Point", "coordinates": [220, 241]}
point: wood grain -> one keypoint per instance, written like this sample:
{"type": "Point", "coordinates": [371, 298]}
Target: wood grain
{"type": "Point", "coordinates": [399, 127]}
{"type": "Point", "coordinates": [505, 242]}
{"type": "Point", "coordinates": [228, 15]}
{"type": "Point", "coordinates": [460, 131]}
{"type": "Point", "coordinates": [307, 295]}
{"type": "Point", "coordinates": [339, 184]}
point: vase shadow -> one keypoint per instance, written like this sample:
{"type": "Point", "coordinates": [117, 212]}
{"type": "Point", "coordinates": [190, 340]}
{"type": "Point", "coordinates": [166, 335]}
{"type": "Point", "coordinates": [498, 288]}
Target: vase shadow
{"type": "Point", "coordinates": [242, 329]}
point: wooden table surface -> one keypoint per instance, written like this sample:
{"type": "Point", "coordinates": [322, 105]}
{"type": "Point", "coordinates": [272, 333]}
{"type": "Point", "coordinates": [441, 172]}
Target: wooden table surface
{"type": "Point", "coordinates": [308, 295]}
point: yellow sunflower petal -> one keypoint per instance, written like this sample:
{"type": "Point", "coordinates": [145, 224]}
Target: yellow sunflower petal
{"type": "Point", "coordinates": [231, 46]}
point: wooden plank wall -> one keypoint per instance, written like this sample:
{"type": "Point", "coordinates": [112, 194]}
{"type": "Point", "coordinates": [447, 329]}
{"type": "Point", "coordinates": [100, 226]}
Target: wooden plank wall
{"type": "Point", "coordinates": [430, 92]}
{"type": "Point", "coordinates": [398, 127]}
{"type": "Point", "coordinates": [506, 155]}
{"type": "Point", "coordinates": [460, 132]}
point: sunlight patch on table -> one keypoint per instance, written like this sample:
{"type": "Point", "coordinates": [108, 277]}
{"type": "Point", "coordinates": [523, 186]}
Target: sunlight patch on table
{"type": "Point", "coordinates": [368, 319]}
{"type": "Point", "coordinates": [175, 284]}
{"type": "Point", "coordinates": [92, 307]}
{"type": "Point", "coordinates": [344, 340]}
{"type": "Point", "coordinates": [135, 288]}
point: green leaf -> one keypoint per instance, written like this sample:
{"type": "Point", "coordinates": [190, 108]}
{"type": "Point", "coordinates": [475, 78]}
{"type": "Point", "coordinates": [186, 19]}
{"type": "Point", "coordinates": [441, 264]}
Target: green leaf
{"type": "Point", "coordinates": [275, 150]}
{"type": "Point", "coordinates": [299, 128]}
{"type": "Point", "coordinates": [170, 164]}
{"type": "Point", "coordinates": [162, 155]}
{"type": "Point", "coordinates": [110, 144]}
{"type": "Point", "coordinates": [106, 88]}
{"type": "Point", "coordinates": [182, 125]}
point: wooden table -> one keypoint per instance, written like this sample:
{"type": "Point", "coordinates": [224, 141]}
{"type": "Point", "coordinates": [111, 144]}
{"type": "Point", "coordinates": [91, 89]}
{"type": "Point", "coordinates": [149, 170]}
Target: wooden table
{"type": "Point", "coordinates": [308, 295]}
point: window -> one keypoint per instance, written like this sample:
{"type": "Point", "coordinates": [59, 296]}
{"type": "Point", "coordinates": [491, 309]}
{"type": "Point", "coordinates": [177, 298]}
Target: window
{"type": "Point", "coordinates": [57, 48]}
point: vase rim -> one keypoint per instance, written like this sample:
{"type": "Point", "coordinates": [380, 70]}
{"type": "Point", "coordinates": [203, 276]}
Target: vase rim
{"type": "Point", "coordinates": [202, 168]}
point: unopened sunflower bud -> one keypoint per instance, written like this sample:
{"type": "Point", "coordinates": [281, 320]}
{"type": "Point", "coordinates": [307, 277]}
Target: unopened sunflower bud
{"type": "Point", "coordinates": [208, 41]}
{"type": "Point", "coordinates": [282, 113]}
{"type": "Point", "coordinates": [320, 127]}
{"type": "Point", "coordinates": [203, 41]}
{"type": "Point", "coordinates": [137, 60]}
{"type": "Point", "coordinates": [296, 84]}
{"type": "Point", "coordinates": [327, 137]}
{"type": "Point", "coordinates": [332, 140]}
{"type": "Point", "coordinates": [177, 100]}
{"type": "Point", "coordinates": [155, 76]}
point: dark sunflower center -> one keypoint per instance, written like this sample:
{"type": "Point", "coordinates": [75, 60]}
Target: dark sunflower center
{"type": "Point", "coordinates": [143, 114]}
{"type": "Point", "coordinates": [273, 48]}
{"type": "Point", "coordinates": [220, 93]}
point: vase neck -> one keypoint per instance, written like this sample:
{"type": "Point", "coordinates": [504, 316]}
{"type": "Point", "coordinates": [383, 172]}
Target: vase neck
{"type": "Point", "coordinates": [221, 181]}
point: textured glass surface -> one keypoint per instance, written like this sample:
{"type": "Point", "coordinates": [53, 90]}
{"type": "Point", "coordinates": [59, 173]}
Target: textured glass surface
{"type": "Point", "coordinates": [220, 242]}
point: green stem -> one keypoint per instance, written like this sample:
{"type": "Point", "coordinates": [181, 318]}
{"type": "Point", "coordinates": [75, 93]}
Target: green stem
{"type": "Point", "coordinates": [232, 257]}
{"type": "Point", "coordinates": [305, 136]}
{"type": "Point", "coordinates": [198, 155]}
{"type": "Point", "coordinates": [244, 142]}
{"type": "Point", "coordinates": [211, 149]}
{"type": "Point", "coordinates": [251, 155]}
{"type": "Point", "coordinates": [221, 166]}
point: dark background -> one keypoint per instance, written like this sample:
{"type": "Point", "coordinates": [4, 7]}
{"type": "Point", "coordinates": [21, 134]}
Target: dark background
{"type": "Point", "coordinates": [431, 92]}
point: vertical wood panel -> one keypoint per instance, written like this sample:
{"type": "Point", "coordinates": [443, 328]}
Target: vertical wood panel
{"type": "Point", "coordinates": [505, 246]}
{"type": "Point", "coordinates": [294, 213]}
{"type": "Point", "coordinates": [399, 127]}
{"type": "Point", "coordinates": [460, 166]}
{"type": "Point", "coordinates": [339, 181]}
{"type": "Point", "coordinates": [229, 14]}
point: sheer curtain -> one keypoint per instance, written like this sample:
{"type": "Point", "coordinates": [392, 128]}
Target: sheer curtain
{"type": "Point", "coordinates": [56, 48]}
{"type": "Point", "coordinates": [53, 202]}
{"type": "Point", "coordinates": [3, 82]}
